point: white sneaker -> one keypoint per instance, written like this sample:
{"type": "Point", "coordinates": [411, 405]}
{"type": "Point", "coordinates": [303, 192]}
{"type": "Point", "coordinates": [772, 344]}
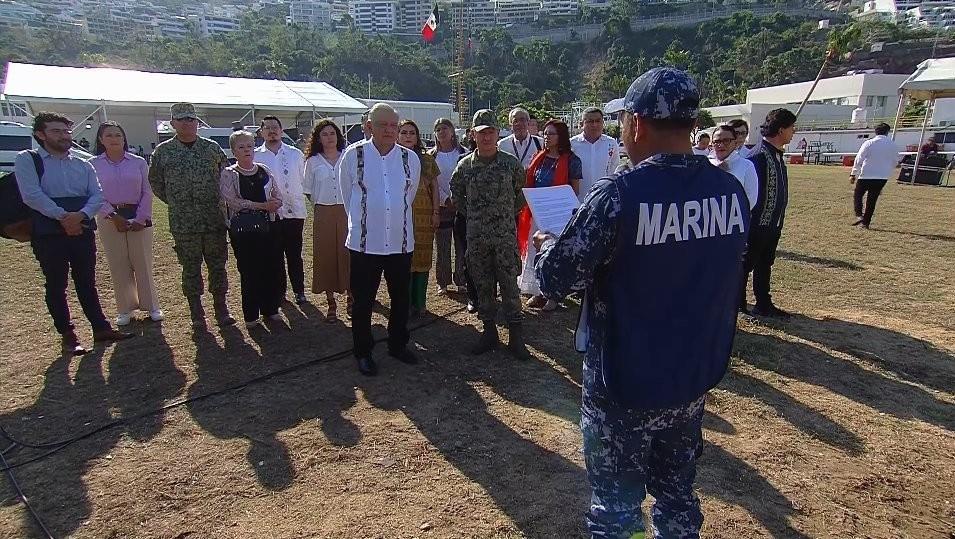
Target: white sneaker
{"type": "Point", "coordinates": [123, 319]}
{"type": "Point", "coordinates": [156, 316]}
{"type": "Point", "coordinates": [442, 291]}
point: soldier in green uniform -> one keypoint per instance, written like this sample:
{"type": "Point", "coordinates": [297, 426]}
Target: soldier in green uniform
{"type": "Point", "coordinates": [184, 173]}
{"type": "Point", "coordinates": [486, 187]}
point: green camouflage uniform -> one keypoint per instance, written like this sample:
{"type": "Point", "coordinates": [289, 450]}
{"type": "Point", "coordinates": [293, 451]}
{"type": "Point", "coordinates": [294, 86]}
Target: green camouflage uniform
{"type": "Point", "coordinates": [489, 194]}
{"type": "Point", "coordinates": [187, 180]}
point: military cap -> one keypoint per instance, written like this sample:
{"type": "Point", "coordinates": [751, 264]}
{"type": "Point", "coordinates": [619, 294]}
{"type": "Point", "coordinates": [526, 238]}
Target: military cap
{"type": "Point", "coordinates": [181, 111]}
{"type": "Point", "coordinates": [484, 119]}
{"type": "Point", "coordinates": [663, 93]}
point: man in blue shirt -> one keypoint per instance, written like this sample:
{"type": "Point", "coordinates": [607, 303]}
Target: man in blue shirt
{"type": "Point", "coordinates": [64, 200]}
{"type": "Point", "coordinates": [658, 250]}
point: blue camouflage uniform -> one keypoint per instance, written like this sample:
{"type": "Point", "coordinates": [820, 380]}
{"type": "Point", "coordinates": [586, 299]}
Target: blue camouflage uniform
{"type": "Point", "coordinates": [658, 249]}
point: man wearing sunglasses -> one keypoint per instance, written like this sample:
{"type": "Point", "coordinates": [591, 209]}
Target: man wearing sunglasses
{"type": "Point", "coordinates": [184, 173]}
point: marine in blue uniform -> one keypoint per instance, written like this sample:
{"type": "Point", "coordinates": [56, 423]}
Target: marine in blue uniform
{"type": "Point", "coordinates": [658, 250]}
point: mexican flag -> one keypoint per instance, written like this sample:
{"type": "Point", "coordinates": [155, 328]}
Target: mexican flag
{"type": "Point", "coordinates": [430, 26]}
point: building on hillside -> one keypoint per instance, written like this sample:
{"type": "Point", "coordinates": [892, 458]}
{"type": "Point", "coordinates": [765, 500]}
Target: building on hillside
{"type": "Point", "coordinates": [560, 8]}
{"type": "Point", "coordinates": [213, 25]}
{"type": "Point", "coordinates": [313, 13]}
{"type": "Point", "coordinates": [478, 14]}
{"type": "Point", "coordinates": [509, 12]}
{"type": "Point", "coordinates": [596, 4]}
{"type": "Point", "coordinates": [175, 28]}
{"type": "Point", "coordinates": [412, 14]}
{"type": "Point", "coordinates": [934, 14]}
{"type": "Point", "coordinates": [375, 16]}
{"type": "Point", "coordinates": [339, 9]}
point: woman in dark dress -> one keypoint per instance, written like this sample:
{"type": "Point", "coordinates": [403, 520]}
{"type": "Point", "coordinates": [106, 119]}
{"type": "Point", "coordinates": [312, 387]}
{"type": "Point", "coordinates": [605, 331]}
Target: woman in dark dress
{"type": "Point", "coordinates": [252, 200]}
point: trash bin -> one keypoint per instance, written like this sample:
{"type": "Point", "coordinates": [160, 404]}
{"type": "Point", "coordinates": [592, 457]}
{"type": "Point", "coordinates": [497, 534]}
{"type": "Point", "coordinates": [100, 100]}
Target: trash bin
{"type": "Point", "coordinates": [797, 160]}
{"type": "Point", "coordinates": [848, 160]}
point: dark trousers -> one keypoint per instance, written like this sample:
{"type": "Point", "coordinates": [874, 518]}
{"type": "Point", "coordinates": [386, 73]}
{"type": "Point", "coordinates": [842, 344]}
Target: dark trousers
{"type": "Point", "coordinates": [759, 258]}
{"type": "Point", "coordinates": [61, 256]}
{"type": "Point", "coordinates": [873, 188]}
{"type": "Point", "coordinates": [290, 243]}
{"type": "Point", "coordinates": [259, 261]}
{"type": "Point", "coordinates": [366, 272]}
{"type": "Point", "coordinates": [460, 254]}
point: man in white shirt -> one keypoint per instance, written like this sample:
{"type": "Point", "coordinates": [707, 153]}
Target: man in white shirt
{"type": "Point", "coordinates": [875, 162]}
{"type": "Point", "coordinates": [741, 130]}
{"type": "Point", "coordinates": [520, 143]}
{"type": "Point", "coordinates": [724, 156]}
{"type": "Point", "coordinates": [599, 154]}
{"type": "Point", "coordinates": [379, 180]}
{"type": "Point", "coordinates": [287, 164]}
{"type": "Point", "coordinates": [702, 146]}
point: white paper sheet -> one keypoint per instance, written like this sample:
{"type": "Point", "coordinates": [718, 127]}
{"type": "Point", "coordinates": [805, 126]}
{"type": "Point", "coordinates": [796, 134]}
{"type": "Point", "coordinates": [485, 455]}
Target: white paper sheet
{"type": "Point", "coordinates": [552, 207]}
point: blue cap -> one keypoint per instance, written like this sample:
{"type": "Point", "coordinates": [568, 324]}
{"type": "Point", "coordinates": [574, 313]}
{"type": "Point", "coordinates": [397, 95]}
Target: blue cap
{"type": "Point", "coordinates": [661, 93]}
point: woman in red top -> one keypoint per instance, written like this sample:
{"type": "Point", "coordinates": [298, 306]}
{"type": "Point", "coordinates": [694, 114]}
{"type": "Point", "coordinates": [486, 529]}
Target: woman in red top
{"type": "Point", "coordinates": [556, 164]}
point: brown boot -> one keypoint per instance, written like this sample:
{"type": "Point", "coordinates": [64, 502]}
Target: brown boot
{"type": "Point", "coordinates": [221, 308]}
{"type": "Point", "coordinates": [110, 335]}
{"type": "Point", "coordinates": [515, 343]}
{"type": "Point", "coordinates": [196, 312]}
{"type": "Point", "coordinates": [71, 345]}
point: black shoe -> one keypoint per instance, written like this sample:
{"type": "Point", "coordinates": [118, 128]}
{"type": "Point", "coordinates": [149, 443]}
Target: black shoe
{"type": "Point", "coordinates": [770, 311]}
{"type": "Point", "coordinates": [367, 366]}
{"type": "Point", "coordinates": [71, 345]}
{"type": "Point", "coordinates": [865, 226]}
{"type": "Point", "coordinates": [405, 356]}
{"type": "Point", "coordinates": [300, 299]}
{"type": "Point", "coordinates": [110, 335]}
{"type": "Point", "coordinates": [488, 341]}
{"type": "Point", "coordinates": [515, 342]}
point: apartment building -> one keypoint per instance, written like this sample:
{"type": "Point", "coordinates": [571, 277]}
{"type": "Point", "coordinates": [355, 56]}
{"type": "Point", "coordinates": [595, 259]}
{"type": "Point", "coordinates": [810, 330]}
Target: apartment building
{"type": "Point", "coordinates": [315, 13]}
{"type": "Point", "coordinates": [375, 16]}
{"type": "Point", "coordinates": [508, 12]}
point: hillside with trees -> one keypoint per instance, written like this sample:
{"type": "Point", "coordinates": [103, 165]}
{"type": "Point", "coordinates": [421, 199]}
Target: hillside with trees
{"type": "Point", "coordinates": [727, 56]}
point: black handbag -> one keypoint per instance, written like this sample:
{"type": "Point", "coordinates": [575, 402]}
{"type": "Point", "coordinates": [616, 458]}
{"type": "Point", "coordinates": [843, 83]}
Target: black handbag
{"type": "Point", "coordinates": [44, 226]}
{"type": "Point", "coordinates": [128, 211]}
{"type": "Point", "coordinates": [249, 221]}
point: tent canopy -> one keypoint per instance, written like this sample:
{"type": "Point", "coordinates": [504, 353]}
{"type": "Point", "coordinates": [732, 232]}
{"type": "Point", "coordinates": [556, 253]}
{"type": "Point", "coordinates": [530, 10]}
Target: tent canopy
{"type": "Point", "coordinates": [933, 79]}
{"type": "Point", "coordinates": [124, 87]}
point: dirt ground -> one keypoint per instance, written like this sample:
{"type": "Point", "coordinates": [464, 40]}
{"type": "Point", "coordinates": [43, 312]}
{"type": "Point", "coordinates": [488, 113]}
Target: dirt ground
{"type": "Point", "coordinates": [837, 423]}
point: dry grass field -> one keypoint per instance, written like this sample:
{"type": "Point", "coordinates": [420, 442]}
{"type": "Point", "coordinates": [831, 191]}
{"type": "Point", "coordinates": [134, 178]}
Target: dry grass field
{"type": "Point", "coordinates": [837, 423]}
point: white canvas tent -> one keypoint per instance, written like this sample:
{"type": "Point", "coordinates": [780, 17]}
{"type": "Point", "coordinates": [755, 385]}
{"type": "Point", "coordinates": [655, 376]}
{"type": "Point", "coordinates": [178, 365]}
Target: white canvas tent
{"type": "Point", "coordinates": [933, 79]}
{"type": "Point", "coordinates": [140, 99]}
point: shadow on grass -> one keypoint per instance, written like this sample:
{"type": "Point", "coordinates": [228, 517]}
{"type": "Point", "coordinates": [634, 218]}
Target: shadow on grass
{"type": "Point", "coordinates": [911, 359]}
{"type": "Point", "coordinates": [933, 237]}
{"type": "Point", "coordinates": [260, 411]}
{"type": "Point", "coordinates": [832, 263]}
{"type": "Point", "coordinates": [811, 365]}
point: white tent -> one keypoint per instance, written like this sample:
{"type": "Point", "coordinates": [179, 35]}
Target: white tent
{"type": "Point", "coordinates": [933, 79]}
{"type": "Point", "coordinates": [123, 87]}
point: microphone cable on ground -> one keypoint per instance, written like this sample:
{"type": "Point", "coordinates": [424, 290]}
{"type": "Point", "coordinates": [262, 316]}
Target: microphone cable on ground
{"type": "Point", "coordinates": [55, 447]}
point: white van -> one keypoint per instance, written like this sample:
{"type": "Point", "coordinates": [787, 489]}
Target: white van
{"type": "Point", "coordinates": [16, 137]}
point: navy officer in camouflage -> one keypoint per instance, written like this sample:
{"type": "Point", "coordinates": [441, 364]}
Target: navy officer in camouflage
{"type": "Point", "coordinates": [658, 250]}
{"type": "Point", "coordinates": [184, 173]}
{"type": "Point", "coordinates": [486, 187]}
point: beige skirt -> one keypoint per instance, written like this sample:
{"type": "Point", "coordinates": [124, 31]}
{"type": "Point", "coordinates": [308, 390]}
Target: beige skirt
{"type": "Point", "coordinates": [330, 260]}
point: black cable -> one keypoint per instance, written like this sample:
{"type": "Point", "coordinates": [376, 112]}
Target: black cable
{"type": "Point", "coordinates": [23, 498]}
{"type": "Point", "coordinates": [56, 447]}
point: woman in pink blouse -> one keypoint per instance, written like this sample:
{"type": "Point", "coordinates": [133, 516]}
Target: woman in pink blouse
{"type": "Point", "coordinates": [125, 223]}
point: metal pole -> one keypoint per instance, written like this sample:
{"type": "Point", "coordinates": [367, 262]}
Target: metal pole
{"type": "Point", "coordinates": [898, 115]}
{"type": "Point", "coordinates": [918, 154]}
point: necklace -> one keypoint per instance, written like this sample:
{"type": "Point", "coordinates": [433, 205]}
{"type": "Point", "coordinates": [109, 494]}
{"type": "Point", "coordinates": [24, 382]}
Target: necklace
{"type": "Point", "coordinates": [246, 171]}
